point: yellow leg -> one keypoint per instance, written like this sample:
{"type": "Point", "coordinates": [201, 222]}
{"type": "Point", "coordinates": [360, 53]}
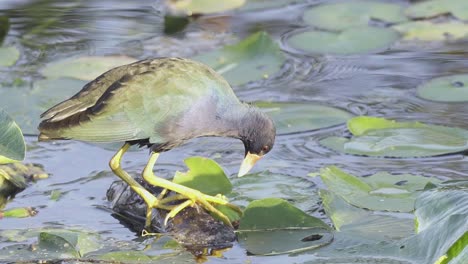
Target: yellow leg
{"type": "Point", "coordinates": [193, 195]}
{"type": "Point", "coordinates": [150, 200]}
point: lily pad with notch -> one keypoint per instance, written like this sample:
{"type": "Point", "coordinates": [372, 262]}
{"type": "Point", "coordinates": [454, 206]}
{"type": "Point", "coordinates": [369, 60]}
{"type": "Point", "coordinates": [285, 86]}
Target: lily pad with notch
{"type": "Point", "coordinates": [453, 88]}
{"type": "Point", "coordinates": [431, 31]}
{"type": "Point", "coordinates": [374, 136]}
{"type": "Point", "coordinates": [272, 226]}
{"type": "Point", "coordinates": [255, 58]}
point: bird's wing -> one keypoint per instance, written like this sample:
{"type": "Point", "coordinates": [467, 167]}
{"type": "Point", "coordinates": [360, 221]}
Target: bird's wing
{"type": "Point", "coordinates": [134, 107]}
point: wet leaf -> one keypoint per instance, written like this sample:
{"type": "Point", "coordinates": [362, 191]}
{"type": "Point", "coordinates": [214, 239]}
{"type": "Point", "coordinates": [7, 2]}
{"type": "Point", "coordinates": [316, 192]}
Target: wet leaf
{"type": "Point", "coordinates": [426, 9]}
{"type": "Point", "coordinates": [430, 31]}
{"type": "Point", "coordinates": [380, 191]}
{"type": "Point", "coordinates": [273, 226]}
{"type": "Point", "coordinates": [299, 117]}
{"type": "Point", "coordinates": [255, 58]}
{"type": "Point", "coordinates": [350, 41]}
{"type": "Point", "coordinates": [453, 88]}
{"type": "Point", "coordinates": [254, 5]}
{"type": "Point", "coordinates": [193, 7]}
{"type": "Point", "coordinates": [204, 175]}
{"type": "Point", "coordinates": [126, 256]}
{"type": "Point", "coordinates": [398, 139]}
{"type": "Point", "coordinates": [173, 24]}
{"type": "Point", "coordinates": [364, 223]}
{"type": "Point", "coordinates": [351, 14]}
{"type": "Point", "coordinates": [69, 243]}
{"type": "Point", "coordinates": [9, 56]}
{"type": "Point", "coordinates": [84, 68]}
{"type": "Point", "coordinates": [12, 145]}
{"type": "Point", "coordinates": [25, 104]}
{"type": "Point", "coordinates": [20, 212]}
{"type": "Point", "coordinates": [4, 28]}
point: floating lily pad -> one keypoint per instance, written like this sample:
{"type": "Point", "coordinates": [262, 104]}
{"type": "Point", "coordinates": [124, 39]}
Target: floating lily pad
{"type": "Point", "coordinates": [255, 58]}
{"type": "Point", "coordinates": [25, 104]}
{"type": "Point", "coordinates": [452, 88]}
{"type": "Point", "coordinates": [273, 226]}
{"type": "Point", "coordinates": [299, 117]}
{"type": "Point", "coordinates": [204, 175]}
{"type": "Point", "coordinates": [426, 9]}
{"type": "Point", "coordinates": [9, 56]}
{"type": "Point", "coordinates": [126, 256]}
{"type": "Point", "coordinates": [252, 5]}
{"type": "Point", "coordinates": [84, 68]}
{"type": "Point", "coordinates": [398, 139]}
{"type": "Point", "coordinates": [351, 14]}
{"type": "Point", "coordinates": [12, 145]}
{"type": "Point", "coordinates": [193, 7]}
{"type": "Point", "coordinates": [364, 223]}
{"type": "Point", "coordinates": [350, 41]}
{"type": "Point", "coordinates": [382, 191]}
{"type": "Point", "coordinates": [430, 31]}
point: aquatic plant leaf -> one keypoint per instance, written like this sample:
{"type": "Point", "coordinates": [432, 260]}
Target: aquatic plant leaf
{"type": "Point", "coordinates": [254, 5]}
{"type": "Point", "coordinates": [350, 41]}
{"type": "Point", "coordinates": [68, 242]}
{"type": "Point", "coordinates": [453, 88]}
{"type": "Point", "coordinates": [9, 56]}
{"type": "Point", "coordinates": [430, 31]}
{"type": "Point", "coordinates": [273, 226]}
{"type": "Point", "coordinates": [381, 191]}
{"type": "Point", "coordinates": [4, 28]}
{"type": "Point", "coordinates": [255, 58]}
{"type": "Point", "coordinates": [126, 256]}
{"type": "Point", "coordinates": [12, 145]}
{"type": "Point", "coordinates": [426, 9]}
{"type": "Point", "coordinates": [25, 104]}
{"type": "Point", "coordinates": [194, 7]}
{"type": "Point", "coordinates": [299, 117]}
{"type": "Point", "coordinates": [398, 139]}
{"type": "Point", "coordinates": [20, 212]}
{"type": "Point", "coordinates": [346, 14]}
{"type": "Point", "coordinates": [204, 175]}
{"type": "Point", "coordinates": [84, 68]}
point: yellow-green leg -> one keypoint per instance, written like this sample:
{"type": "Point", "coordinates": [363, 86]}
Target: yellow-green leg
{"type": "Point", "coordinates": [193, 196]}
{"type": "Point", "coordinates": [150, 200]}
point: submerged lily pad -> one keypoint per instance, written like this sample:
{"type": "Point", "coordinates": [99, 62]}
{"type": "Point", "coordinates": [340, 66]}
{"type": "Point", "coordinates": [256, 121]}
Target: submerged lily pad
{"type": "Point", "coordinates": [25, 104]}
{"type": "Point", "coordinates": [273, 226]}
{"type": "Point", "coordinates": [255, 58]}
{"type": "Point", "coordinates": [351, 14]}
{"type": "Point", "coordinates": [204, 175]}
{"type": "Point", "coordinates": [349, 41]}
{"type": "Point", "coordinates": [193, 7]}
{"type": "Point", "coordinates": [453, 88]}
{"type": "Point", "coordinates": [380, 191]}
{"type": "Point", "coordinates": [84, 68]}
{"type": "Point", "coordinates": [12, 145]}
{"type": "Point", "coordinates": [382, 137]}
{"type": "Point", "coordinates": [9, 56]}
{"type": "Point", "coordinates": [299, 117]}
{"type": "Point", "coordinates": [458, 8]}
{"type": "Point", "coordinates": [430, 31]}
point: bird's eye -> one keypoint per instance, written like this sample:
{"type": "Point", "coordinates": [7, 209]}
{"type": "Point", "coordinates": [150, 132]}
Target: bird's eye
{"type": "Point", "coordinates": [265, 148]}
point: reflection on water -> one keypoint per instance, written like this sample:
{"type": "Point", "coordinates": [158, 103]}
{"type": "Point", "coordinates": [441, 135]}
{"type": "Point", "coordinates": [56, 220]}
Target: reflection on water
{"type": "Point", "coordinates": [376, 84]}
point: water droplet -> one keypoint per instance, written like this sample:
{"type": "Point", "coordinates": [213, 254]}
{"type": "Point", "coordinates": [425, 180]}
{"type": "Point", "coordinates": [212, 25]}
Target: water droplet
{"type": "Point", "coordinates": [458, 84]}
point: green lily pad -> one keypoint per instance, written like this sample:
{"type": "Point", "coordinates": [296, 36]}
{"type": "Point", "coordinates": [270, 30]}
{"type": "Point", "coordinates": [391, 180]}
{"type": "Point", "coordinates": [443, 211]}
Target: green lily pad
{"type": "Point", "coordinates": [426, 9]}
{"type": "Point", "coordinates": [20, 212]}
{"type": "Point", "coordinates": [204, 175]}
{"type": "Point", "coordinates": [398, 139]}
{"type": "Point", "coordinates": [453, 88]}
{"type": "Point", "coordinates": [25, 104]}
{"type": "Point", "coordinates": [73, 243]}
{"type": "Point", "coordinates": [430, 31]}
{"type": "Point", "coordinates": [126, 256]}
{"type": "Point", "coordinates": [350, 41]}
{"type": "Point", "coordinates": [364, 223]}
{"type": "Point", "coordinates": [9, 56]}
{"type": "Point", "coordinates": [347, 14]}
{"type": "Point", "coordinates": [84, 68]}
{"type": "Point", "coordinates": [382, 191]}
{"type": "Point", "coordinates": [273, 226]}
{"type": "Point", "coordinates": [12, 145]}
{"type": "Point", "coordinates": [252, 5]}
{"type": "Point", "coordinates": [255, 58]}
{"type": "Point", "coordinates": [194, 7]}
{"type": "Point", "coordinates": [298, 117]}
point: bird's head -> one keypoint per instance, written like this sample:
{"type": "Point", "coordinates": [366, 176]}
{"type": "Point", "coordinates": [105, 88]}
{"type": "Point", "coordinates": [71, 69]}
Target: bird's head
{"type": "Point", "coordinates": [258, 135]}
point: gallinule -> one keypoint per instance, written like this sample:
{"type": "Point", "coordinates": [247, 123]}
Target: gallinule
{"type": "Point", "coordinates": [160, 103]}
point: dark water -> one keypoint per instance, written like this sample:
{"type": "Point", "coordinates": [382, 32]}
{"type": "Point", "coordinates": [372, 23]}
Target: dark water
{"type": "Point", "coordinates": [377, 84]}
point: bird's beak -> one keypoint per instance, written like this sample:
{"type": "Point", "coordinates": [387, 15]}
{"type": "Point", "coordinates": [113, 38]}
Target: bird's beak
{"type": "Point", "coordinates": [249, 161]}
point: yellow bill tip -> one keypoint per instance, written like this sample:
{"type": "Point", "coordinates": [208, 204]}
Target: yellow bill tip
{"type": "Point", "coordinates": [247, 164]}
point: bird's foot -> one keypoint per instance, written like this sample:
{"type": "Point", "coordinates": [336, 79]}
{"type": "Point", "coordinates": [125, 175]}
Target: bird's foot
{"type": "Point", "coordinates": [195, 197]}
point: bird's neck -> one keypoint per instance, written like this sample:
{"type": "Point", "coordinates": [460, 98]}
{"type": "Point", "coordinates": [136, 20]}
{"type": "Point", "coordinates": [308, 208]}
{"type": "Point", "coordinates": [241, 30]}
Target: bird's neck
{"type": "Point", "coordinates": [237, 120]}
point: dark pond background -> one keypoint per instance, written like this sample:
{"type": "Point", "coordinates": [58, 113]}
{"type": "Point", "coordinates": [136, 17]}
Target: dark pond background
{"type": "Point", "coordinates": [382, 84]}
